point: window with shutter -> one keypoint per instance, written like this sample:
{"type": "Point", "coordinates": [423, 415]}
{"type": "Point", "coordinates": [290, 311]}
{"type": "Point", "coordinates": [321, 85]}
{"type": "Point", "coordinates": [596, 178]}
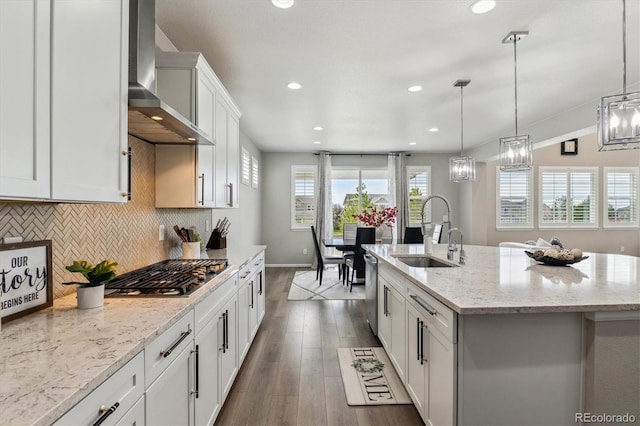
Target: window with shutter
{"type": "Point", "coordinates": [303, 198]}
{"type": "Point", "coordinates": [621, 194]}
{"type": "Point", "coordinates": [568, 197]}
{"type": "Point", "coordinates": [255, 172]}
{"type": "Point", "coordinates": [419, 188]}
{"type": "Point", "coordinates": [246, 167]}
{"type": "Point", "coordinates": [514, 203]}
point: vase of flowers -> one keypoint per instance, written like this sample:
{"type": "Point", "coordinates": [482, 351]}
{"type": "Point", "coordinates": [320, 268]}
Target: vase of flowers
{"type": "Point", "coordinates": [377, 218]}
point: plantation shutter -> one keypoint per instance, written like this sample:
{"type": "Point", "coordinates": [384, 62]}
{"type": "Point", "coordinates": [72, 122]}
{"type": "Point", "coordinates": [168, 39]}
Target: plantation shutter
{"type": "Point", "coordinates": [568, 197]}
{"type": "Point", "coordinates": [303, 194]}
{"type": "Point", "coordinates": [246, 167]}
{"type": "Point", "coordinates": [255, 172]}
{"type": "Point", "coordinates": [583, 198]}
{"type": "Point", "coordinates": [621, 197]}
{"type": "Point", "coordinates": [515, 200]}
{"type": "Point", "coordinates": [419, 188]}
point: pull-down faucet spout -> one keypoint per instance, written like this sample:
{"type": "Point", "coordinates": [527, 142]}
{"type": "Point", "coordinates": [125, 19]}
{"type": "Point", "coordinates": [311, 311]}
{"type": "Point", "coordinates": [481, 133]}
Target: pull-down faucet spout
{"type": "Point", "coordinates": [424, 224]}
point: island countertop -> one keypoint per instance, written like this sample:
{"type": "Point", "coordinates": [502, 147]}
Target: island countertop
{"type": "Point", "coordinates": [51, 359]}
{"type": "Point", "coordinates": [506, 280]}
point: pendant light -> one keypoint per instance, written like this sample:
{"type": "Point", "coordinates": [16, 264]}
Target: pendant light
{"type": "Point", "coordinates": [619, 115]}
{"type": "Point", "coordinates": [462, 169]}
{"type": "Point", "coordinates": [516, 152]}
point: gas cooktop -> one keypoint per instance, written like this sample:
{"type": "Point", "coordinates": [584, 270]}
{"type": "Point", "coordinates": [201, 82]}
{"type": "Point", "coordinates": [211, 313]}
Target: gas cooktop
{"type": "Point", "coordinates": [171, 277]}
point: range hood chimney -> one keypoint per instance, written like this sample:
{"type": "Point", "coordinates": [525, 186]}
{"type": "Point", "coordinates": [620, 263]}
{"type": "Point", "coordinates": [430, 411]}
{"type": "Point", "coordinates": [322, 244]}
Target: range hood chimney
{"type": "Point", "coordinates": [150, 119]}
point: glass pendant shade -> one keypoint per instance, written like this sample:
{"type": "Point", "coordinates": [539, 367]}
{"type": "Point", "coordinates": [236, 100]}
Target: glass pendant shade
{"type": "Point", "coordinates": [462, 169]}
{"type": "Point", "coordinates": [516, 153]}
{"type": "Point", "coordinates": [619, 122]}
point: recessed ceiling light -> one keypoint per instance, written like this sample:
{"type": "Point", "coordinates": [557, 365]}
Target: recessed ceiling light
{"type": "Point", "coordinates": [482, 6]}
{"type": "Point", "coordinates": [295, 86]}
{"type": "Point", "coordinates": [156, 117]}
{"type": "Point", "coordinates": [317, 142]}
{"type": "Point", "coordinates": [318, 128]}
{"type": "Point", "coordinates": [415, 88]}
{"type": "Point", "coordinates": [191, 139]}
{"type": "Point", "coordinates": [282, 4]}
{"type": "Point", "coordinates": [434, 129]}
{"type": "Point", "coordinates": [412, 143]}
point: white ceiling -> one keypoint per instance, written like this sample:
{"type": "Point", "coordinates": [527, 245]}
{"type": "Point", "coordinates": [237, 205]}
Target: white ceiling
{"type": "Point", "coordinates": [356, 59]}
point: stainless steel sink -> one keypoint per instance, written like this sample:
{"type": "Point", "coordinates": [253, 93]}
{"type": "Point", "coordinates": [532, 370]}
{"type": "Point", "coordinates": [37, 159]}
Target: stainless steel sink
{"type": "Point", "coordinates": [423, 262]}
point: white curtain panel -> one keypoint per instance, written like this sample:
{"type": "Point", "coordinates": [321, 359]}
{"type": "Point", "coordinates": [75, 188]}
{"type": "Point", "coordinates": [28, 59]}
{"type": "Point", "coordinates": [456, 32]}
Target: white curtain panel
{"type": "Point", "coordinates": [324, 214]}
{"type": "Point", "coordinates": [397, 164]}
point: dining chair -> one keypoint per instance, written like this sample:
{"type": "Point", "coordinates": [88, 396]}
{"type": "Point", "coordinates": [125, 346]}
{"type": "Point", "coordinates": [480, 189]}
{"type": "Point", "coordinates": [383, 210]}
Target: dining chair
{"type": "Point", "coordinates": [364, 235]}
{"type": "Point", "coordinates": [413, 235]}
{"type": "Point", "coordinates": [323, 258]}
{"type": "Point", "coordinates": [349, 231]}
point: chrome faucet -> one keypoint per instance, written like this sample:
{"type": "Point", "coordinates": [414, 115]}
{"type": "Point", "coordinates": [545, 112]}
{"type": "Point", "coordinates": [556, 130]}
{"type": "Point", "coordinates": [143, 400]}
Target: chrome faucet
{"type": "Point", "coordinates": [451, 248]}
{"type": "Point", "coordinates": [424, 224]}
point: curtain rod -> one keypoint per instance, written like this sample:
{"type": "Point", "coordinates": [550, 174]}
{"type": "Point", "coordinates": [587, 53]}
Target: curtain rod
{"type": "Point", "coordinates": [362, 155]}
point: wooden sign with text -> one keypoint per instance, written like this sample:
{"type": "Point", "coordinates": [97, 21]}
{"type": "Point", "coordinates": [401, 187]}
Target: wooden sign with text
{"type": "Point", "coordinates": [25, 278]}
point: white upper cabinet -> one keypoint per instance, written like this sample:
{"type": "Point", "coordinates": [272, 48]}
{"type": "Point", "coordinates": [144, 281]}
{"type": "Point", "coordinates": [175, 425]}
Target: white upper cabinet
{"type": "Point", "coordinates": [24, 99]}
{"type": "Point", "coordinates": [67, 61]}
{"type": "Point", "coordinates": [89, 100]}
{"type": "Point", "coordinates": [187, 83]}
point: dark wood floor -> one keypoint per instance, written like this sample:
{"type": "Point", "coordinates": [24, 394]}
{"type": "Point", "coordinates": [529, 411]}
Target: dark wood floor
{"type": "Point", "coordinates": [291, 374]}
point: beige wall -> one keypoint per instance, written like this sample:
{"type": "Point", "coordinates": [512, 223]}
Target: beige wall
{"type": "Point", "coordinates": [127, 233]}
{"type": "Point", "coordinates": [480, 202]}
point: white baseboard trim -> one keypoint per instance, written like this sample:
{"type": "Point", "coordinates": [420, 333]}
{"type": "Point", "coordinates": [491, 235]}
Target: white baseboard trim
{"type": "Point", "coordinates": [287, 265]}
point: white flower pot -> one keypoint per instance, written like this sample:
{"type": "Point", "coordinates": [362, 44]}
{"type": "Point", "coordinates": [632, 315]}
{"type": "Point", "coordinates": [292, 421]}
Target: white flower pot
{"type": "Point", "coordinates": [90, 297]}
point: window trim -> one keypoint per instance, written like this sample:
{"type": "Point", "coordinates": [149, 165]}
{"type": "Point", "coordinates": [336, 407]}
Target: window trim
{"type": "Point", "coordinates": [568, 224]}
{"type": "Point", "coordinates": [301, 169]}
{"type": "Point", "coordinates": [605, 198]}
{"type": "Point", "coordinates": [427, 170]}
{"type": "Point", "coordinates": [527, 226]}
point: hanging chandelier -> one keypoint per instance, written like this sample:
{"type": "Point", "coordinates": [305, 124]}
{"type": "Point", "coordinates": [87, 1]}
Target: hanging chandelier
{"type": "Point", "coordinates": [516, 152]}
{"type": "Point", "coordinates": [462, 169]}
{"type": "Point", "coordinates": [619, 115]}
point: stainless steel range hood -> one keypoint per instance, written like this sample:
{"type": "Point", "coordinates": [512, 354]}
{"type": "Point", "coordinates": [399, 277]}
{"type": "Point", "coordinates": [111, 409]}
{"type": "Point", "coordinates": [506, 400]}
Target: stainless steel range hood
{"type": "Point", "coordinates": [151, 119]}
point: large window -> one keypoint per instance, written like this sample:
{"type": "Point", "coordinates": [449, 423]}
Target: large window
{"type": "Point", "coordinates": [621, 197]}
{"type": "Point", "coordinates": [303, 196]}
{"type": "Point", "coordinates": [568, 197]}
{"type": "Point", "coordinates": [419, 188]}
{"type": "Point", "coordinates": [354, 190]}
{"type": "Point", "coordinates": [514, 203]}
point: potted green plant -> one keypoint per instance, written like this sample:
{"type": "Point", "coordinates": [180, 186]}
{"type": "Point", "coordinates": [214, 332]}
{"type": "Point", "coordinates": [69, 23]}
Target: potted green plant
{"type": "Point", "coordinates": [91, 293]}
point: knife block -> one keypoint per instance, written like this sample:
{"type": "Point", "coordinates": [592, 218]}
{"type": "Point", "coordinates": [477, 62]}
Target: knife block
{"type": "Point", "coordinates": [216, 241]}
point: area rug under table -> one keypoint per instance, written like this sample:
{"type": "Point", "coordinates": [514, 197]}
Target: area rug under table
{"type": "Point", "coordinates": [305, 287]}
{"type": "Point", "coordinates": [369, 378]}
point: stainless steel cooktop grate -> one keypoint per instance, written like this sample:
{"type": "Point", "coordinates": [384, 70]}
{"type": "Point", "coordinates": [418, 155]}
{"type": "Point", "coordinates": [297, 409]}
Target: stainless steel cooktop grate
{"type": "Point", "coordinates": [172, 277]}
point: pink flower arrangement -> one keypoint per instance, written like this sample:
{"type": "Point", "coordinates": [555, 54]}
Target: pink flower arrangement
{"type": "Point", "coordinates": [375, 217]}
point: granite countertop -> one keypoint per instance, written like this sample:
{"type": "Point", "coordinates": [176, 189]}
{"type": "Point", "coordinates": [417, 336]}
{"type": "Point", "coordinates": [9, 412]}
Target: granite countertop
{"type": "Point", "coordinates": [505, 280]}
{"type": "Point", "coordinates": [51, 359]}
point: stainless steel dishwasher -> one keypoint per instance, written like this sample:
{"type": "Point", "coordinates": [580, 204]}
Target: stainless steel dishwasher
{"type": "Point", "coordinates": [371, 290]}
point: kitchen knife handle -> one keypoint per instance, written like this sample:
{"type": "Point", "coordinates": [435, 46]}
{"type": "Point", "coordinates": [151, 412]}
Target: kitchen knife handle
{"type": "Point", "coordinates": [183, 335]}
{"type": "Point", "coordinates": [106, 412]}
{"type": "Point", "coordinates": [202, 190]}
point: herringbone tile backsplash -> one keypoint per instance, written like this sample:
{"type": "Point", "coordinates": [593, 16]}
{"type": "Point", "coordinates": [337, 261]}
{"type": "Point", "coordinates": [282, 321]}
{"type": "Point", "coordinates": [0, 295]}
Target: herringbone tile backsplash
{"type": "Point", "coordinates": [127, 233]}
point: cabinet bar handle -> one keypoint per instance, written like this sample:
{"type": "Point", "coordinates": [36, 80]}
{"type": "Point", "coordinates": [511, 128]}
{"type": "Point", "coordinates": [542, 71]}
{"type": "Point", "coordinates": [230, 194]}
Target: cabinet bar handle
{"type": "Point", "coordinates": [106, 413]}
{"type": "Point", "coordinates": [226, 344]}
{"type": "Point", "coordinates": [202, 191]}
{"type": "Point", "coordinates": [196, 392]}
{"type": "Point", "coordinates": [129, 184]}
{"type": "Point", "coordinates": [260, 288]}
{"type": "Point", "coordinates": [224, 332]}
{"type": "Point", "coordinates": [418, 338]}
{"type": "Point", "coordinates": [419, 301]}
{"type": "Point", "coordinates": [422, 327]}
{"type": "Point", "coordinates": [183, 335]}
{"type": "Point", "coordinates": [231, 195]}
{"type": "Point", "coordinates": [251, 285]}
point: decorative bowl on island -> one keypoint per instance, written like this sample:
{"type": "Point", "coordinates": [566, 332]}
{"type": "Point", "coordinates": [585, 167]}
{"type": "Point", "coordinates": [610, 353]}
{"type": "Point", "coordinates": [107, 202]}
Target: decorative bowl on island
{"type": "Point", "coordinates": [561, 258]}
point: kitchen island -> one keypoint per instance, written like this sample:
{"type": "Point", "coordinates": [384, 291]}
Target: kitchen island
{"type": "Point", "coordinates": [52, 359]}
{"type": "Point", "coordinates": [520, 342]}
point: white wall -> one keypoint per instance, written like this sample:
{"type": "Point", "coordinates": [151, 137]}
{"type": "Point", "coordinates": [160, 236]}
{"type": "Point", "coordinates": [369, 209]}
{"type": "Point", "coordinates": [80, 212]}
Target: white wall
{"type": "Point", "coordinates": [285, 246]}
{"type": "Point", "coordinates": [246, 220]}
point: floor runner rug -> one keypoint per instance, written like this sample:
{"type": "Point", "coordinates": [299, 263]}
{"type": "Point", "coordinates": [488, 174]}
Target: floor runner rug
{"type": "Point", "coordinates": [369, 378]}
{"type": "Point", "coordinates": [305, 286]}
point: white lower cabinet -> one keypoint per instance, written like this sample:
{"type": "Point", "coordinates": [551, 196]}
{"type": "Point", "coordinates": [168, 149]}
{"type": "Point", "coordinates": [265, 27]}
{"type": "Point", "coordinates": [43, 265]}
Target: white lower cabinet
{"type": "Point", "coordinates": [170, 399]}
{"type": "Point", "coordinates": [391, 324]}
{"type": "Point", "coordinates": [228, 362]}
{"type": "Point", "coordinates": [207, 385]}
{"type": "Point", "coordinates": [116, 401]}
